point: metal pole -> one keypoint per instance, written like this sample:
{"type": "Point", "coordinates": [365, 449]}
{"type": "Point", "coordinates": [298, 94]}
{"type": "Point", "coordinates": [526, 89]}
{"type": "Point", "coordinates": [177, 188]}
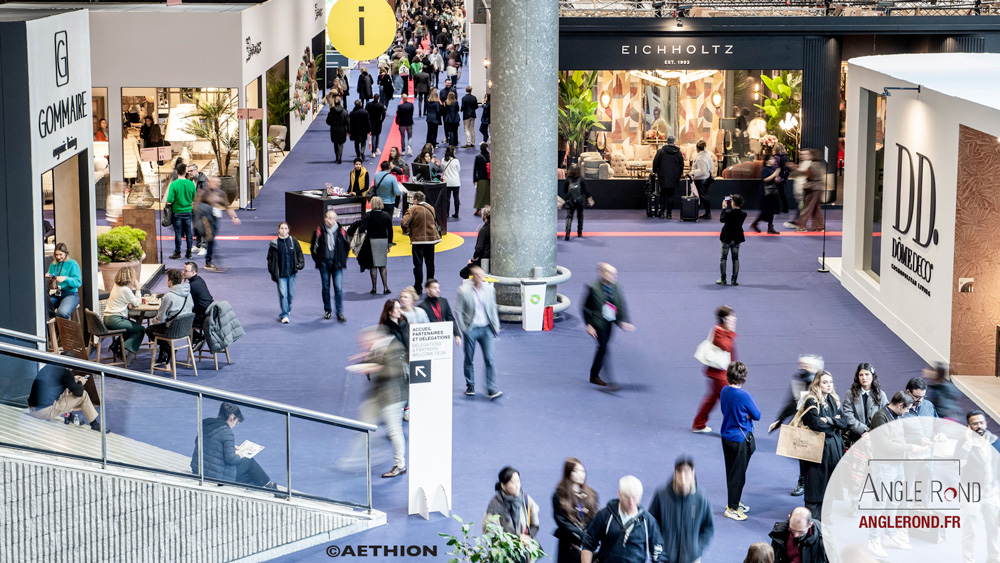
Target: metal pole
{"type": "Point", "coordinates": [201, 447]}
{"type": "Point", "coordinates": [159, 243]}
{"type": "Point", "coordinates": [104, 423]}
{"type": "Point", "coordinates": [823, 269]}
{"type": "Point", "coordinates": [288, 453]}
{"type": "Point", "coordinates": [368, 463]}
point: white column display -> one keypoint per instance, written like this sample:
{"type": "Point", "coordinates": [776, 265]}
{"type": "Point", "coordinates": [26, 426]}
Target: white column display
{"type": "Point", "coordinates": [431, 348]}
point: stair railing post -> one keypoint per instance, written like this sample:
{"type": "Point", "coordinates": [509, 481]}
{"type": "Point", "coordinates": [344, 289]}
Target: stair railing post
{"type": "Point", "coordinates": [104, 425]}
{"type": "Point", "coordinates": [201, 446]}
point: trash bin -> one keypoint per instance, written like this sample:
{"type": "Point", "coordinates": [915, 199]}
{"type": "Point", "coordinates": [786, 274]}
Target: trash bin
{"type": "Point", "coordinates": [532, 304]}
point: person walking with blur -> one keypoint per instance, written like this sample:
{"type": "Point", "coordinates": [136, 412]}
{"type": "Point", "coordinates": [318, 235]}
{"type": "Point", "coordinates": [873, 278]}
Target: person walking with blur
{"type": "Point", "coordinates": [284, 260]}
{"type": "Point", "coordinates": [813, 171]}
{"type": "Point", "coordinates": [574, 505]}
{"type": "Point", "coordinates": [723, 336]}
{"type": "Point", "coordinates": [770, 175]}
{"type": "Point", "coordinates": [388, 392]}
{"type": "Point", "coordinates": [739, 411]}
{"type": "Point", "coordinates": [211, 203]}
{"type": "Point", "coordinates": [478, 322]}
{"type": "Point", "coordinates": [821, 413]}
{"type": "Point", "coordinates": [684, 514]}
{"type": "Point", "coordinates": [603, 308]}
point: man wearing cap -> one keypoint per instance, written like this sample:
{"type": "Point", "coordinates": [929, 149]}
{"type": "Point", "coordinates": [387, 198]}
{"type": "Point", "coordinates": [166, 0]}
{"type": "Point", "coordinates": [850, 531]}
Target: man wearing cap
{"type": "Point", "coordinates": [684, 515]}
{"type": "Point", "coordinates": [668, 164]}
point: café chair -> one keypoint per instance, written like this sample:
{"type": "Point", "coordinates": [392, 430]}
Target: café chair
{"type": "Point", "coordinates": [179, 330]}
{"type": "Point", "coordinates": [98, 332]}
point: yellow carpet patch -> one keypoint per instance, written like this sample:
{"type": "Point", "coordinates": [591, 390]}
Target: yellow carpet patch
{"type": "Point", "coordinates": [403, 248]}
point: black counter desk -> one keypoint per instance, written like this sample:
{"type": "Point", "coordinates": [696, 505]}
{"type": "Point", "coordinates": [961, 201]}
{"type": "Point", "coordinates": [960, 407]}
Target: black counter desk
{"type": "Point", "coordinates": [304, 212]}
{"type": "Point", "coordinates": [437, 196]}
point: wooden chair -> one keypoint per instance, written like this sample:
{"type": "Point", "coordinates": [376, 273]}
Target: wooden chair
{"type": "Point", "coordinates": [53, 343]}
{"type": "Point", "coordinates": [98, 332]}
{"type": "Point", "coordinates": [204, 353]}
{"type": "Point", "coordinates": [178, 330]}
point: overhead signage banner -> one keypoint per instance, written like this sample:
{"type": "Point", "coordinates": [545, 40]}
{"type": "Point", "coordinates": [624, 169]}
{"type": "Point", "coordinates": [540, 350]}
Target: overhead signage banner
{"type": "Point", "coordinates": [695, 53]}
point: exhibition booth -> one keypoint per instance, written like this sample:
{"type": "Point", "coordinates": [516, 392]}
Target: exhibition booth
{"type": "Point", "coordinates": [741, 85]}
{"type": "Point", "coordinates": [922, 207]}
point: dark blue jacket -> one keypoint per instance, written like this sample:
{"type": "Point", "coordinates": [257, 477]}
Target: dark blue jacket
{"type": "Point", "coordinates": [685, 523]}
{"type": "Point", "coordinates": [49, 384]}
{"type": "Point", "coordinates": [606, 537]}
{"type": "Point", "coordinates": [220, 456]}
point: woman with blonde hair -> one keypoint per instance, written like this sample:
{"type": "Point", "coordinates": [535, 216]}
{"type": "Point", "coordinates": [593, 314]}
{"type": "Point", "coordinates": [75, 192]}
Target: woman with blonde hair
{"type": "Point", "coordinates": [821, 412]}
{"type": "Point", "coordinates": [123, 297]}
{"type": "Point", "coordinates": [432, 112]}
{"type": "Point", "coordinates": [407, 301]}
{"type": "Point", "coordinates": [452, 119]}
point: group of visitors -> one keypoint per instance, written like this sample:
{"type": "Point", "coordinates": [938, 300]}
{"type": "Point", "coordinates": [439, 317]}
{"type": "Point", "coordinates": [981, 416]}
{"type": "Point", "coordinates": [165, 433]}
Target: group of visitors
{"type": "Point", "coordinates": [196, 204]}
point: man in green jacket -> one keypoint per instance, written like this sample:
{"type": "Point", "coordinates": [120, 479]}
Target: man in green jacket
{"type": "Point", "coordinates": [180, 196]}
{"type": "Point", "coordinates": [604, 307]}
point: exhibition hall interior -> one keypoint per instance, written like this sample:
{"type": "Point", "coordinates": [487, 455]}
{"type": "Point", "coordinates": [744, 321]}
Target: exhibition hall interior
{"type": "Point", "coordinates": [295, 280]}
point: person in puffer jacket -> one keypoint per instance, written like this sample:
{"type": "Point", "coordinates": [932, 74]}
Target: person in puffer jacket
{"type": "Point", "coordinates": [684, 514]}
{"type": "Point", "coordinates": [222, 461]}
{"type": "Point", "coordinates": [623, 531]}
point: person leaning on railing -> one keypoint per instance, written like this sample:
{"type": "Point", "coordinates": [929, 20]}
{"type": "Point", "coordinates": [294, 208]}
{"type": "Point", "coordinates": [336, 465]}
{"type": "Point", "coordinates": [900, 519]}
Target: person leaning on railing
{"type": "Point", "coordinates": [57, 392]}
{"type": "Point", "coordinates": [222, 460]}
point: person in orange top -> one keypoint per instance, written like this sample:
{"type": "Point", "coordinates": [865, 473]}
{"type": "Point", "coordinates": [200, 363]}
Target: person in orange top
{"type": "Point", "coordinates": [723, 336]}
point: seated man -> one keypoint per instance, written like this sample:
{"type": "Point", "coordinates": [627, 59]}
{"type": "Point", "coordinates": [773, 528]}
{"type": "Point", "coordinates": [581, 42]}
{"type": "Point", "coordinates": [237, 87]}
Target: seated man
{"type": "Point", "coordinates": [222, 461]}
{"type": "Point", "coordinates": [174, 303]}
{"type": "Point", "coordinates": [202, 299]}
{"type": "Point", "coordinates": [57, 392]}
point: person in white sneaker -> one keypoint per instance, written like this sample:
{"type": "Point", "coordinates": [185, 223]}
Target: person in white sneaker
{"type": "Point", "coordinates": [798, 539]}
{"type": "Point", "coordinates": [739, 410]}
{"type": "Point", "coordinates": [723, 335]}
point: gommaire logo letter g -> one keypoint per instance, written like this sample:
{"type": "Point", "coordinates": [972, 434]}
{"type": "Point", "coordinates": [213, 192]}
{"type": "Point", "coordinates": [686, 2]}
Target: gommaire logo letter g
{"type": "Point", "coordinates": [62, 58]}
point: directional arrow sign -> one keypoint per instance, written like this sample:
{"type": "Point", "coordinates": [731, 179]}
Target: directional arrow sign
{"type": "Point", "coordinates": [420, 371]}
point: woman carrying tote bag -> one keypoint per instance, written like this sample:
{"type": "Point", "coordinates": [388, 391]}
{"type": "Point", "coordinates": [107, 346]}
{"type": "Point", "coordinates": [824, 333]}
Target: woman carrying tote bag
{"type": "Point", "coordinates": [723, 336]}
{"type": "Point", "coordinates": [821, 413]}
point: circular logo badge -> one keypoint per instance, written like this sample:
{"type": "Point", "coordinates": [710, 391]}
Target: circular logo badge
{"type": "Point", "coordinates": [535, 299]}
{"type": "Point", "coordinates": [361, 29]}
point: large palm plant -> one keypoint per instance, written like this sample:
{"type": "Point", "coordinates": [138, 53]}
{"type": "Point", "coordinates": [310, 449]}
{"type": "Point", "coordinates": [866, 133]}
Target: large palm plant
{"type": "Point", "coordinates": [215, 120]}
{"type": "Point", "coordinates": [577, 108]}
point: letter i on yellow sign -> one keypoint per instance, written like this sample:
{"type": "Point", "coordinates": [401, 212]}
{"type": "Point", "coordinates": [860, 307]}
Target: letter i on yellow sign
{"type": "Point", "coordinates": [361, 29]}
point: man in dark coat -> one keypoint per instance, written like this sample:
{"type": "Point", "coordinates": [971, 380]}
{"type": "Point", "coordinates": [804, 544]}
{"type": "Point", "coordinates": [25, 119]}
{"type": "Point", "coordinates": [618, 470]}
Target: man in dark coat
{"type": "Point", "coordinates": [604, 307]}
{"type": "Point", "coordinates": [421, 86]}
{"type": "Point", "coordinates": [623, 531]}
{"type": "Point", "coordinates": [437, 308]}
{"type": "Point", "coordinates": [684, 515]}
{"type": "Point", "coordinates": [57, 391]}
{"type": "Point", "coordinates": [668, 164]}
{"type": "Point", "coordinates": [339, 122]}
{"type": "Point", "coordinates": [448, 88]}
{"type": "Point", "coordinates": [404, 119]}
{"type": "Point", "coordinates": [365, 82]}
{"type": "Point", "coordinates": [469, 106]}
{"type": "Point", "coordinates": [360, 127]}
{"type": "Point", "coordinates": [376, 116]}
{"type": "Point", "coordinates": [223, 461]}
{"type": "Point", "coordinates": [799, 538]}
{"type": "Point", "coordinates": [329, 248]}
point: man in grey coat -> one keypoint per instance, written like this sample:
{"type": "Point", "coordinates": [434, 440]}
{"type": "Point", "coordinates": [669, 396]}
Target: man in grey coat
{"type": "Point", "coordinates": [478, 321]}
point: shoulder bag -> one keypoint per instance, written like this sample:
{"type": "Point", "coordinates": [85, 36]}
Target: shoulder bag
{"type": "Point", "coordinates": [167, 216]}
{"type": "Point", "coordinates": [711, 355]}
{"type": "Point", "coordinates": [798, 441]}
{"type": "Point", "coordinates": [357, 240]}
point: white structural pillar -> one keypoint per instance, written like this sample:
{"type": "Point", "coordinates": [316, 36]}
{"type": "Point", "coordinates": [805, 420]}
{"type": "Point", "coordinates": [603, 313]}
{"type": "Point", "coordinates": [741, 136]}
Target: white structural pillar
{"type": "Point", "coordinates": [524, 42]}
{"type": "Point", "coordinates": [478, 30]}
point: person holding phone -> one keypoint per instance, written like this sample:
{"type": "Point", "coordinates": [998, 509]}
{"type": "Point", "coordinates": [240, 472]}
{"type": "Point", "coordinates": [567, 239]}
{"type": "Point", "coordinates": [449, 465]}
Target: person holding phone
{"type": "Point", "coordinates": [64, 279]}
{"type": "Point", "coordinates": [732, 235]}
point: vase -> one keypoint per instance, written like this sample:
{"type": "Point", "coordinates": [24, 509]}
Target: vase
{"type": "Point", "coordinates": [109, 271]}
{"type": "Point", "coordinates": [231, 186]}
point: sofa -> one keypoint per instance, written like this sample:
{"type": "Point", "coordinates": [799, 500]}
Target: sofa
{"type": "Point", "coordinates": [748, 170]}
{"type": "Point", "coordinates": [629, 153]}
{"type": "Point", "coordinates": [594, 167]}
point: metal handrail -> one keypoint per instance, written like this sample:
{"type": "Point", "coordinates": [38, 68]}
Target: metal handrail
{"type": "Point", "coordinates": [190, 388]}
{"type": "Point", "coordinates": [21, 336]}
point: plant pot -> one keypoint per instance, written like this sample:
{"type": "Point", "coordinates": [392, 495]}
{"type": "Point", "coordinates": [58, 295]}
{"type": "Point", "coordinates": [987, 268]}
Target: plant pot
{"type": "Point", "coordinates": [109, 271]}
{"type": "Point", "coordinates": [231, 186]}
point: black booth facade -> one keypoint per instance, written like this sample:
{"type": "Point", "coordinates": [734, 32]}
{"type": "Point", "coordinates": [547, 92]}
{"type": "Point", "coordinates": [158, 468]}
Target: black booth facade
{"type": "Point", "coordinates": [705, 80]}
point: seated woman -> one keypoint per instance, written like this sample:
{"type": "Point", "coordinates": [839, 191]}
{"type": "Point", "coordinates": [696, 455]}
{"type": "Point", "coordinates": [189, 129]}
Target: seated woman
{"type": "Point", "coordinates": [64, 281]}
{"type": "Point", "coordinates": [434, 165]}
{"type": "Point", "coordinates": [222, 461]}
{"type": "Point", "coordinates": [123, 298]}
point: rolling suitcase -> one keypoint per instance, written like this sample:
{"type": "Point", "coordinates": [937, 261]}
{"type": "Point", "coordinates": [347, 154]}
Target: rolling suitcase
{"type": "Point", "coordinates": [652, 197]}
{"type": "Point", "coordinates": [689, 203]}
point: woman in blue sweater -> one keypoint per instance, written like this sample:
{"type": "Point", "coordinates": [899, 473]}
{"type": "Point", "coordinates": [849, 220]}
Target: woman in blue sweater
{"type": "Point", "coordinates": [64, 282]}
{"type": "Point", "coordinates": [738, 413]}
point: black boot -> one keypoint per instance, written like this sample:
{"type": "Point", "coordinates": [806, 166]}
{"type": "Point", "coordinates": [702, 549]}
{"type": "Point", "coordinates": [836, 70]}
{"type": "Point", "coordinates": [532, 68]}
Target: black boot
{"type": "Point", "coordinates": [800, 489]}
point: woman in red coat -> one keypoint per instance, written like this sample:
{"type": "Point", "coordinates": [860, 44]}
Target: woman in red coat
{"type": "Point", "coordinates": [724, 337]}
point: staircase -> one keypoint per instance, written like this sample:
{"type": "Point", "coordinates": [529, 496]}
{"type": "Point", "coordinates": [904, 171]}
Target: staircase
{"type": "Point", "coordinates": [63, 510]}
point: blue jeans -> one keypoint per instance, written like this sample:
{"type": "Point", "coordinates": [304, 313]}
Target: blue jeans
{"type": "Point", "coordinates": [182, 226]}
{"type": "Point", "coordinates": [286, 292]}
{"type": "Point", "coordinates": [484, 336]}
{"type": "Point", "coordinates": [338, 275]}
{"type": "Point", "coordinates": [64, 305]}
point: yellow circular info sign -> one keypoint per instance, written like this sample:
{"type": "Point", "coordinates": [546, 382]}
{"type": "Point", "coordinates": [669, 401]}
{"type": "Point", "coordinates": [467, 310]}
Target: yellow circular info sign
{"type": "Point", "coordinates": [361, 29]}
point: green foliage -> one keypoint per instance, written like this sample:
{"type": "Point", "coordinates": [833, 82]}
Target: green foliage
{"type": "Point", "coordinates": [495, 546]}
{"type": "Point", "coordinates": [120, 244]}
{"type": "Point", "coordinates": [577, 107]}
{"type": "Point", "coordinates": [787, 98]}
{"type": "Point", "coordinates": [215, 120]}
{"type": "Point", "coordinates": [279, 103]}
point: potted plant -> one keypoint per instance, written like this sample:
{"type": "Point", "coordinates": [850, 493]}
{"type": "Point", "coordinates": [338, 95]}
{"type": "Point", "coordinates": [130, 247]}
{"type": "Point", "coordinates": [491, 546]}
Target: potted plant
{"type": "Point", "coordinates": [121, 247]}
{"type": "Point", "coordinates": [215, 121]}
{"type": "Point", "coordinates": [577, 109]}
{"type": "Point", "coordinates": [494, 546]}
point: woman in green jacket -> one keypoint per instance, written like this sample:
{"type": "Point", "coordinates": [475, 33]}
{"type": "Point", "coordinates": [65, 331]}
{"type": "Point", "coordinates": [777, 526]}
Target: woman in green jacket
{"type": "Point", "coordinates": [64, 282]}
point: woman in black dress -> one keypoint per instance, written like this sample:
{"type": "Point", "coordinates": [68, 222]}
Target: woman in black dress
{"type": "Point", "coordinates": [821, 413]}
{"type": "Point", "coordinates": [574, 505]}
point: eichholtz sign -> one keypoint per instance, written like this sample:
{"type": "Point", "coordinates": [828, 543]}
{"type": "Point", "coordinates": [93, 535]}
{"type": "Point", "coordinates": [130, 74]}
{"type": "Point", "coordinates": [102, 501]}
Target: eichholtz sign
{"type": "Point", "coordinates": [597, 52]}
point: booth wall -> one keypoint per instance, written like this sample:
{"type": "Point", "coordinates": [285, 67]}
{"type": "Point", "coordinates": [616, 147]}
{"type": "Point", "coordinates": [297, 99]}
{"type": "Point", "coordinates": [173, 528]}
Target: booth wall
{"type": "Point", "coordinates": [925, 124]}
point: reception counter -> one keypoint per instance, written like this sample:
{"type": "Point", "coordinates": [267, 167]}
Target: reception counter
{"type": "Point", "coordinates": [304, 211]}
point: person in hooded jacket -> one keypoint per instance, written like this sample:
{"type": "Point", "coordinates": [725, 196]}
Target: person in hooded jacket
{"type": "Point", "coordinates": [668, 164]}
{"type": "Point", "coordinates": [798, 539]}
{"type": "Point", "coordinates": [360, 127]}
{"type": "Point", "coordinates": [518, 512]}
{"type": "Point", "coordinates": [376, 117]}
{"type": "Point", "coordinates": [222, 460]}
{"type": "Point", "coordinates": [574, 505]}
{"type": "Point", "coordinates": [339, 122]}
{"type": "Point", "coordinates": [175, 302]}
{"type": "Point", "coordinates": [684, 514]}
{"type": "Point", "coordinates": [623, 531]}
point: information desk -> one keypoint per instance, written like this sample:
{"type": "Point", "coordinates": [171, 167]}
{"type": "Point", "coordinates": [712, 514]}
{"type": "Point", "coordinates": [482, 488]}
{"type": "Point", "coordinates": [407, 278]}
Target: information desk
{"type": "Point", "coordinates": [437, 195]}
{"type": "Point", "coordinates": [304, 211]}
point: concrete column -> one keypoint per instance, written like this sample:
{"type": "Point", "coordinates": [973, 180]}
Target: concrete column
{"type": "Point", "coordinates": [524, 41]}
